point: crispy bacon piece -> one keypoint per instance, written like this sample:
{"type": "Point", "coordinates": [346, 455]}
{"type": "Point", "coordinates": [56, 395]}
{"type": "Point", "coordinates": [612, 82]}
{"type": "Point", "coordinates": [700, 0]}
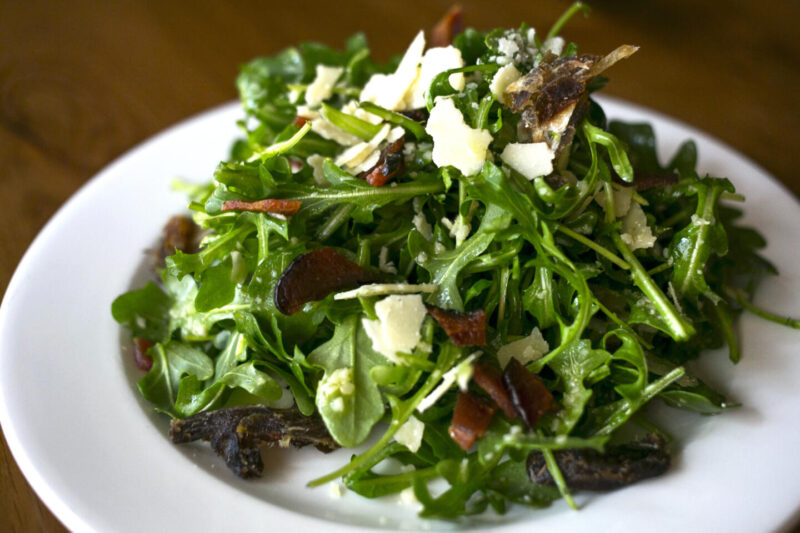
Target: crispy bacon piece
{"type": "Point", "coordinates": [619, 466]}
{"type": "Point", "coordinates": [471, 417]}
{"type": "Point", "coordinates": [389, 165]}
{"type": "Point", "coordinates": [643, 181]}
{"type": "Point", "coordinates": [490, 379]}
{"type": "Point", "coordinates": [315, 275]}
{"type": "Point", "coordinates": [143, 361]}
{"type": "Point", "coordinates": [237, 433]}
{"type": "Point", "coordinates": [269, 205]}
{"type": "Point", "coordinates": [448, 27]}
{"type": "Point", "coordinates": [180, 233]}
{"type": "Point", "coordinates": [530, 396]}
{"type": "Point", "coordinates": [464, 329]}
{"type": "Point", "coordinates": [299, 121]}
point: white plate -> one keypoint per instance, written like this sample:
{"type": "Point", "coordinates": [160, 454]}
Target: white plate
{"type": "Point", "coordinates": [98, 457]}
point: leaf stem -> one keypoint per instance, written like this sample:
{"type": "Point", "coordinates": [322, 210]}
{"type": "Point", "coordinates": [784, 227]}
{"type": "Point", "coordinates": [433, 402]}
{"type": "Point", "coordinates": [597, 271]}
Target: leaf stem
{"type": "Point", "coordinates": [594, 246]}
{"type": "Point", "coordinates": [680, 329]}
{"type": "Point", "coordinates": [766, 315]}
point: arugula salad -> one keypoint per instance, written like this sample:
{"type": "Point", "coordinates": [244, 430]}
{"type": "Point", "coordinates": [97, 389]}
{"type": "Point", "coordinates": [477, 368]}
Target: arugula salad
{"type": "Point", "coordinates": [456, 253]}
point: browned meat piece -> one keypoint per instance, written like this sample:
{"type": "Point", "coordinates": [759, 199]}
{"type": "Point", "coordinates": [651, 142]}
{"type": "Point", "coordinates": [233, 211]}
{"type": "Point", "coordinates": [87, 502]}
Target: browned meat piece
{"type": "Point", "coordinates": [237, 433]}
{"type": "Point", "coordinates": [552, 97]}
{"type": "Point", "coordinates": [269, 205]}
{"type": "Point", "coordinates": [471, 417]}
{"type": "Point", "coordinates": [389, 165]}
{"type": "Point", "coordinates": [315, 275]}
{"type": "Point", "coordinates": [464, 329]}
{"type": "Point", "coordinates": [143, 361]}
{"type": "Point", "coordinates": [617, 467]}
{"type": "Point", "coordinates": [180, 233]}
{"type": "Point", "coordinates": [448, 27]}
{"type": "Point", "coordinates": [530, 396]}
{"type": "Point", "coordinates": [490, 379]}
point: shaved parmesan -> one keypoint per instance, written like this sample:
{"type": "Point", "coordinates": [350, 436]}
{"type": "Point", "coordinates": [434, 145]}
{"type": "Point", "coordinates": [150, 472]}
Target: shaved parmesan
{"type": "Point", "coordinates": [410, 434]}
{"type": "Point", "coordinates": [397, 327]}
{"type": "Point", "coordinates": [635, 231]}
{"type": "Point", "coordinates": [322, 86]}
{"type": "Point", "coordinates": [448, 379]}
{"type": "Point", "coordinates": [389, 90]}
{"type": "Point", "coordinates": [325, 129]}
{"type": "Point", "coordinates": [378, 289]}
{"type": "Point", "coordinates": [524, 350]}
{"type": "Point", "coordinates": [434, 62]}
{"type": "Point", "coordinates": [622, 200]}
{"type": "Point", "coordinates": [502, 79]}
{"type": "Point", "coordinates": [454, 142]}
{"type": "Point", "coordinates": [529, 159]}
{"type": "Point", "coordinates": [358, 156]}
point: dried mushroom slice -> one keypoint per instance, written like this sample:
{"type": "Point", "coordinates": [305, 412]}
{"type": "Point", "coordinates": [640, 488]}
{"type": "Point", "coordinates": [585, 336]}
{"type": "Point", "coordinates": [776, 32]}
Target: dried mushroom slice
{"type": "Point", "coordinates": [619, 466]}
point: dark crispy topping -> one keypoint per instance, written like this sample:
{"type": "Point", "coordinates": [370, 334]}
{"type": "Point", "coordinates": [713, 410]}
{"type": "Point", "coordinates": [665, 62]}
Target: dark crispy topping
{"type": "Point", "coordinates": [299, 121]}
{"type": "Point", "coordinates": [530, 396]}
{"type": "Point", "coordinates": [471, 417]}
{"type": "Point", "coordinates": [552, 97]}
{"type": "Point", "coordinates": [448, 27]}
{"type": "Point", "coordinates": [464, 329]}
{"type": "Point", "coordinates": [617, 467]}
{"type": "Point", "coordinates": [643, 181]}
{"type": "Point", "coordinates": [237, 433]}
{"type": "Point", "coordinates": [269, 205]}
{"type": "Point", "coordinates": [143, 361]}
{"type": "Point", "coordinates": [389, 165]}
{"type": "Point", "coordinates": [180, 233]}
{"type": "Point", "coordinates": [315, 275]}
{"type": "Point", "coordinates": [490, 379]}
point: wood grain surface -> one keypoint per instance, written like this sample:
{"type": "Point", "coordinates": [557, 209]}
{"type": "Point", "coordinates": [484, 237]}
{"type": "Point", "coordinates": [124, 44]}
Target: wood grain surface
{"type": "Point", "coordinates": [82, 82]}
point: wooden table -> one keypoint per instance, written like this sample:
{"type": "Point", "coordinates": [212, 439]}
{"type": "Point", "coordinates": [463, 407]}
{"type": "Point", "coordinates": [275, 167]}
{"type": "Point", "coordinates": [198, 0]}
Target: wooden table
{"type": "Point", "coordinates": [82, 82]}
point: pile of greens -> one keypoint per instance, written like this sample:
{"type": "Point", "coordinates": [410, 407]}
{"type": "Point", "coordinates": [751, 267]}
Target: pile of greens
{"type": "Point", "coordinates": [620, 323]}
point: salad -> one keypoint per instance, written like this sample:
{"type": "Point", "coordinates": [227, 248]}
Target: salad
{"type": "Point", "coordinates": [454, 254]}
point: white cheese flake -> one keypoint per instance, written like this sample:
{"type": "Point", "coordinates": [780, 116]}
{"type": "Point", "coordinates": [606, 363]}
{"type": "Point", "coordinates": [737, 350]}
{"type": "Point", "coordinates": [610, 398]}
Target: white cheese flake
{"type": "Point", "coordinates": [423, 226]}
{"type": "Point", "coordinates": [326, 130]}
{"type": "Point", "coordinates": [504, 77]}
{"type": "Point", "coordinates": [315, 161]}
{"type": "Point", "coordinates": [448, 379]}
{"type": "Point", "coordinates": [434, 62]}
{"type": "Point", "coordinates": [380, 289]}
{"type": "Point", "coordinates": [524, 350]}
{"type": "Point", "coordinates": [635, 231]}
{"type": "Point", "coordinates": [532, 160]}
{"type": "Point", "coordinates": [357, 157]}
{"type": "Point", "coordinates": [410, 434]}
{"type": "Point", "coordinates": [554, 45]}
{"type": "Point", "coordinates": [322, 87]}
{"type": "Point", "coordinates": [622, 200]}
{"type": "Point", "coordinates": [389, 90]}
{"type": "Point", "coordinates": [397, 327]}
{"type": "Point", "coordinates": [352, 108]}
{"type": "Point", "coordinates": [384, 265]}
{"type": "Point", "coordinates": [454, 142]}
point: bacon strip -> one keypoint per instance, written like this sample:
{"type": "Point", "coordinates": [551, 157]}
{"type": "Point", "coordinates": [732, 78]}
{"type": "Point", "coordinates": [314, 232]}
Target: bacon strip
{"type": "Point", "coordinates": [530, 396]}
{"type": "Point", "coordinates": [269, 205]}
{"type": "Point", "coordinates": [299, 121]}
{"type": "Point", "coordinates": [390, 164]}
{"type": "Point", "coordinates": [448, 27]}
{"type": "Point", "coordinates": [490, 379]}
{"type": "Point", "coordinates": [143, 361]}
{"type": "Point", "coordinates": [471, 417]}
{"type": "Point", "coordinates": [315, 275]}
{"type": "Point", "coordinates": [464, 329]}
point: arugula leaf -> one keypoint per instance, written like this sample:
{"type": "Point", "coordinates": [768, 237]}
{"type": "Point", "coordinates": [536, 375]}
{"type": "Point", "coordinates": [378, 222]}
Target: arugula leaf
{"type": "Point", "coordinates": [350, 350]}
